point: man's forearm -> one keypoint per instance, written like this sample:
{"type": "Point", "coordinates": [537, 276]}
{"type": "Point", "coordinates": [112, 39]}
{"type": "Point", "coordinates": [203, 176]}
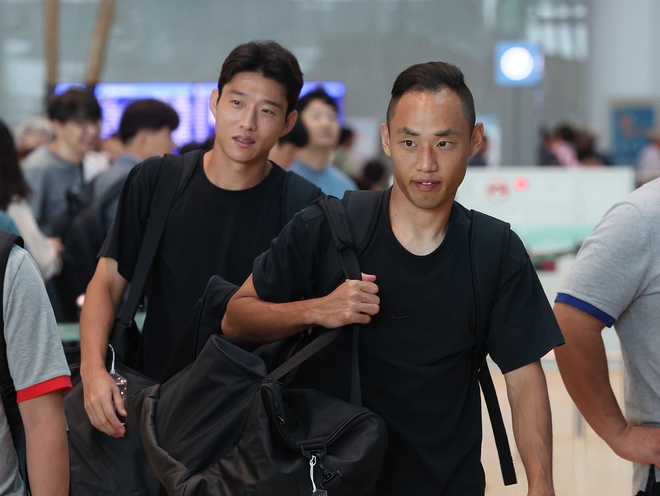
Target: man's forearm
{"type": "Point", "coordinates": [47, 445]}
{"type": "Point", "coordinates": [532, 425]}
{"type": "Point", "coordinates": [98, 313]}
{"type": "Point", "coordinates": [582, 362]}
{"type": "Point", "coordinates": [266, 322]}
{"type": "Point", "coordinates": [249, 317]}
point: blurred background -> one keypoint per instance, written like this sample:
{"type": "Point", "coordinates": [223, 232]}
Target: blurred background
{"type": "Point", "coordinates": [598, 56]}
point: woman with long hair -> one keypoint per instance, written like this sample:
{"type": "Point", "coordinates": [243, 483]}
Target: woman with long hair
{"type": "Point", "coordinates": [14, 193]}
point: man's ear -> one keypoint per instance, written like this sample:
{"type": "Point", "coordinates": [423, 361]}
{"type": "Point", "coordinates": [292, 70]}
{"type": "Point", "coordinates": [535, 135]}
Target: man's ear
{"type": "Point", "coordinates": [290, 122]}
{"type": "Point", "coordinates": [477, 138]}
{"type": "Point", "coordinates": [385, 138]}
{"type": "Point", "coordinates": [213, 101]}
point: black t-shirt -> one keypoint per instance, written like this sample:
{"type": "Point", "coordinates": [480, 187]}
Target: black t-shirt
{"type": "Point", "coordinates": [209, 231]}
{"type": "Point", "coordinates": [416, 356]}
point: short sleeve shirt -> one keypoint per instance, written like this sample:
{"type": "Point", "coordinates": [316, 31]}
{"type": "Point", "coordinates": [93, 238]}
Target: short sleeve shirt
{"type": "Point", "coordinates": [34, 351]}
{"type": "Point", "coordinates": [416, 356]}
{"type": "Point", "coordinates": [616, 278]}
{"type": "Point", "coordinates": [210, 231]}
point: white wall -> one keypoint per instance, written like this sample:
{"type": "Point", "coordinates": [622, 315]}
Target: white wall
{"type": "Point", "coordinates": [625, 57]}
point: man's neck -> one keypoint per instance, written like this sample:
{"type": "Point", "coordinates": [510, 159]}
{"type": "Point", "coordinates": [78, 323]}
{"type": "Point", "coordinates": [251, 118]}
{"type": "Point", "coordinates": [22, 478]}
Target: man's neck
{"type": "Point", "coordinates": [65, 152]}
{"type": "Point", "coordinates": [234, 176]}
{"type": "Point", "coordinates": [420, 231]}
{"type": "Point", "coordinates": [315, 158]}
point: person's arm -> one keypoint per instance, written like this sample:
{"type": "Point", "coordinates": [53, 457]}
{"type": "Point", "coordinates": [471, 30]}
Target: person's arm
{"type": "Point", "coordinates": [96, 320]}
{"type": "Point", "coordinates": [532, 425]}
{"type": "Point", "coordinates": [249, 317]}
{"type": "Point", "coordinates": [583, 366]}
{"type": "Point", "coordinates": [47, 444]}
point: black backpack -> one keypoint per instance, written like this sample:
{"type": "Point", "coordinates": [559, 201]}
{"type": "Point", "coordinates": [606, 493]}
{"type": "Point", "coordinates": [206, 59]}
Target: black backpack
{"type": "Point", "coordinates": [489, 242]}
{"type": "Point", "coordinates": [7, 241]}
{"type": "Point", "coordinates": [84, 237]}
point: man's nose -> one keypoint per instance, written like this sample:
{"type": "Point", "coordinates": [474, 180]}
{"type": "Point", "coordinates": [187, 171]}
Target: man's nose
{"type": "Point", "coordinates": [427, 161]}
{"type": "Point", "coordinates": [248, 119]}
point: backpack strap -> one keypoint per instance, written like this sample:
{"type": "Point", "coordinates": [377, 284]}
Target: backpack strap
{"type": "Point", "coordinates": [343, 221]}
{"type": "Point", "coordinates": [176, 171]}
{"type": "Point", "coordinates": [7, 391]}
{"type": "Point", "coordinates": [363, 208]}
{"type": "Point", "coordinates": [489, 244]}
{"type": "Point", "coordinates": [297, 193]}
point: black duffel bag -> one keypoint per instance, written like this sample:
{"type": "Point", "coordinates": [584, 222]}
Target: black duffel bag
{"type": "Point", "coordinates": [225, 426]}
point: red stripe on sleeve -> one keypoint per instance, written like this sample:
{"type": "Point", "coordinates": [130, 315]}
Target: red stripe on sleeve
{"type": "Point", "coordinates": [62, 383]}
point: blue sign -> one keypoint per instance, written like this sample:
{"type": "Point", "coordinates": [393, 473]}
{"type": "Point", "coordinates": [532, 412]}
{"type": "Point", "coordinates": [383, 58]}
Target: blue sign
{"type": "Point", "coordinates": [518, 63]}
{"type": "Point", "coordinates": [631, 123]}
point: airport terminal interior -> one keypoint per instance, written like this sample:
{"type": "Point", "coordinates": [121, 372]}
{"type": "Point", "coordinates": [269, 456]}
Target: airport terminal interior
{"type": "Point", "coordinates": [568, 91]}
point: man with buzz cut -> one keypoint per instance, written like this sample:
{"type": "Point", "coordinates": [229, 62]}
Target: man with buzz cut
{"type": "Point", "coordinates": [227, 213]}
{"type": "Point", "coordinates": [415, 301]}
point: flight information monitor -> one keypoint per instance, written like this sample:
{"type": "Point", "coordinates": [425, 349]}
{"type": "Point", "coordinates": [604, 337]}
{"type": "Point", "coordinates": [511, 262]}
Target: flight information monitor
{"type": "Point", "coordinates": [190, 100]}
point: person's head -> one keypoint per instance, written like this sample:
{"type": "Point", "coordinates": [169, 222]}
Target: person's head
{"type": "Point", "coordinates": [272, 61]}
{"type": "Point", "coordinates": [146, 127]}
{"type": "Point", "coordinates": [284, 151]}
{"type": "Point", "coordinates": [430, 133]}
{"type": "Point", "coordinates": [12, 182]}
{"type": "Point", "coordinates": [346, 137]}
{"type": "Point", "coordinates": [76, 119]}
{"type": "Point", "coordinates": [31, 134]}
{"type": "Point", "coordinates": [566, 132]}
{"type": "Point", "coordinates": [254, 104]}
{"type": "Point", "coordinates": [318, 111]}
{"type": "Point", "coordinates": [112, 147]}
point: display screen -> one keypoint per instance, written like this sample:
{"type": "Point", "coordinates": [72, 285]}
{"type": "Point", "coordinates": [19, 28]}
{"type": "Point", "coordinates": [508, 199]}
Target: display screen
{"type": "Point", "coordinates": [190, 100]}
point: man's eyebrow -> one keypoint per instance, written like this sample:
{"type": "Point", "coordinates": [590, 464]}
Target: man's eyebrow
{"type": "Point", "coordinates": [407, 131]}
{"type": "Point", "coordinates": [269, 102]}
{"type": "Point", "coordinates": [445, 132]}
{"type": "Point", "coordinates": [273, 103]}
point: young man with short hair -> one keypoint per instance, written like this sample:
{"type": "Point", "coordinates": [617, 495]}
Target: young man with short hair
{"type": "Point", "coordinates": [417, 364]}
{"type": "Point", "coordinates": [145, 130]}
{"type": "Point", "coordinates": [54, 169]}
{"type": "Point", "coordinates": [226, 215]}
{"type": "Point", "coordinates": [318, 112]}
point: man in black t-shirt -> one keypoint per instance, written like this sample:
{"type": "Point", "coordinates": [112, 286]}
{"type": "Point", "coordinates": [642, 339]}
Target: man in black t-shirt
{"type": "Point", "coordinates": [226, 215]}
{"type": "Point", "coordinates": [417, 365]}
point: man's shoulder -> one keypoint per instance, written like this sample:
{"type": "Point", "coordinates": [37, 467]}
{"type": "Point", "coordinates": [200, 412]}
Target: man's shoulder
{"type": "Point", "coordinates": [646, 199]}
{"type": "Point", "coordinates": [43, 159]}
{"type": "Point", "coordinates": [340, 177]}
{"type": "Point", "coordinates": [20, 264]}
{"type": "Point", "coordinates": [146, 172]}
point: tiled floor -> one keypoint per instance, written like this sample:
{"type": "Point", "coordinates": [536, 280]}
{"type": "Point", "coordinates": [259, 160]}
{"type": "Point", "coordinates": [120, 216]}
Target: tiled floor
{"type": "Point", "coordinates": [583, 465]}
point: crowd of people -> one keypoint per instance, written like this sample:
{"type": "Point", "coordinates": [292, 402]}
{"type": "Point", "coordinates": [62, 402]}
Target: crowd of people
{"type": "Point", "coordinates": [415, 300]}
